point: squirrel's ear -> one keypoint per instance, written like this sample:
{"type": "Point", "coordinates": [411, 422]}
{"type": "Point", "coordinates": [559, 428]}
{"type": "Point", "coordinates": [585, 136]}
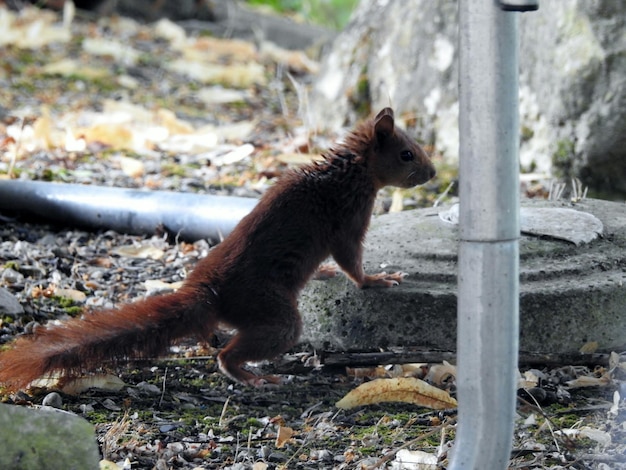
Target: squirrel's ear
{"type": "Point", "coordinates": [383, 125]}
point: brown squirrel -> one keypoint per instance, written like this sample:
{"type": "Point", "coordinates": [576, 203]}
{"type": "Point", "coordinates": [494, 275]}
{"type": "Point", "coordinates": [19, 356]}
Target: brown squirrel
{"type": "Point", "coordinates": [251, 280]}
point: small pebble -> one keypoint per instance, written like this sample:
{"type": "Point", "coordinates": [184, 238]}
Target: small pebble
{"type": "Point", "coordinates": [53, 399]}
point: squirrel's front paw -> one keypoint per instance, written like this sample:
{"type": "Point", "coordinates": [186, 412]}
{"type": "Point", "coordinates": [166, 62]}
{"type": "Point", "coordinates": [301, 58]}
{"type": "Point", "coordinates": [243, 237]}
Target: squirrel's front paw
{"type": "Point", "coordinates": [383, 279]}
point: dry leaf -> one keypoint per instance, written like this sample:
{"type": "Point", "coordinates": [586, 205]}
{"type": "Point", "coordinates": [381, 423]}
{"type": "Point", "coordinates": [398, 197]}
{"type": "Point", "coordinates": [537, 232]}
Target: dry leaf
{"type": "Point", "coordinates": [120, 51]}
{"type": "Point", "coordinates": [529, 380]}
{"type": "Point", "coordinates": [298, 158]}
{"type": "Point", "coordinates": [590, 347]}
{"type": "Point", "coordinates": [237, 131]}
{"type": "Point", "coordinates": [614, 361]}
{"type": "Point", "coordinates": [154, 285]}
{"type": "Point", "coordinates": [237, 75]}
{"type": "Point", "coordinates": [283, 435]}
{"type": "Point", "coordinates": [116, 135]}
{"type": "Point", "coordinates": [75, 295]}
{"type": "Point", "coordinates": [71, 67]}
{"type": "Point", "coordinates": [32, 28]}
{"type": "Point", "coordinates": [198, 142]}
{"type": "Point", "coordinates": [439, 374]}
{"type": "Point", "coordinates": [236, 155]}
{"type": "Point", "coordinates": [297, 61]}
{"type": "Point", "coordinates": [139, 251]}
{"type": "Point", "coordinates": [401, 389]}
{"type": "Point", "coordinates": [208, 49]}
{"type": "Point", "coordinates": [107, 464]}
{"type": "Point", "coordinates": [220, 95]}
{"type": "Point", "coordinates": [131, 166]}
{"type": "Point", "coordinates": [585, 381]}
{"type": "Point", "coordinates": [367, 372]}
{"type": "Point", "coordinates": [169, 30]}
{"type": "Point", "coordinates": [601, 437]}
{"type": "Point", "coordinates": [169, 120]}
{"type": "Point", "coordinates": [100, 381]}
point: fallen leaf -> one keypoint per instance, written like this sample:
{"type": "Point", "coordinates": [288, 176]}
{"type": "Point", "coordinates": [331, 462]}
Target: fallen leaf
{"type": "Point", "coordinates": [601, 437]}
{"type": "Point", "coordinates": [208, 49]}
{"type": "Point", "coordinates": [107, 465]}
{"type": "Point", "coordinates": [169, 120]}
{"type": "Point", "coordinates": [236, 75]}
{"type": "Point", "coordinates": [220, 95]}
{"type": "Point", "coordinates": [296, 61]}
{"type": "Point", "coordinates": [73, 68]}
{"type": "Point", "coordinates": [400, 389]}
{"type": "Point", "coordinates": [367, 372]}
{"type": "Point", "coordinates": [589, 347]}
{"type": "Point", "coordinates": [236, 155]}
{"type": "Point", "coordinates": [119, 51]}
{"type": "Point", "coordinates": [283, 435]}
{"type": "Point", "coordinates": [131, 166]}
{"type": "Point", "coordinates": [169, 30]}
{"type": "Point", "coordinates": [293, 158]}
{"type": "Point", "coordinates": [114, 135]}
{"type": "Point", "coordinates": [78, 385]}
{"type": "Point", "coordinates": [139, 251]}
{"type": "Point", "coordinates": [586, 381]}
{"type": "Point", "coordinates": [75, 295]}
{"type": "Point", "coordinates": [439, 374]}
{"type": "Point", "coordinates": [237, 131]}
{"type": "Point", "coordinates": [154, 285]}
{"type": "Point", "coordinates": [529, 380]}
{"type": "Point", "coordinates": [101, 381]}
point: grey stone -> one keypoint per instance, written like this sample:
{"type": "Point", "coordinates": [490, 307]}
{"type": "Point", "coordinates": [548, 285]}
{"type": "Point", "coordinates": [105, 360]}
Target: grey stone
{"type": "Point", "coordinates": [572, 87]}
{"type": "Point", "coordinates": [32, 439]}
{"type": "Point", "coordinates": [569, 294]}
{"type": "Point", "coordinates": [53, 400]}
{"type": "Point", "coordinates": [9, 304]}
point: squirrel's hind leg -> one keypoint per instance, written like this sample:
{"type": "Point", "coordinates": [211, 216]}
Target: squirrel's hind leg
{"type": "Point", "coordinates": [257, 342]}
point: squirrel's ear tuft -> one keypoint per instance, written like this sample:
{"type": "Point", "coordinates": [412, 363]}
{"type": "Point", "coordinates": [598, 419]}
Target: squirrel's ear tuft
{"type": "Point", "coordinates": [385, 111]}
{"type": "Point", "coordinates": [383, 124]}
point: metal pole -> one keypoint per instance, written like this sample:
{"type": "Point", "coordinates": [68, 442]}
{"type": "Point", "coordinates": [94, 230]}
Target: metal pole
{"type": "Point", "coordinates": [488, 276]}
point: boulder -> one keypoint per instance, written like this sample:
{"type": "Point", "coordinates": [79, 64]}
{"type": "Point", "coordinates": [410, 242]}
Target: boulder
{"type": "Point", "coordinates": [572, 88]}
{"type": "Point", "coordinates": [46, 438]}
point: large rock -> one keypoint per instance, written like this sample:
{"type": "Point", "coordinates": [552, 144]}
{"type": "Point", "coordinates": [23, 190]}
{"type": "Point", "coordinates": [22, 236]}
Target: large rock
{"type": "Point", "coordinates": [569, 294]}
{"type": "Point", "coordinates": [46, 438]}
{"type": "Point", "coordinates": [572, 87]}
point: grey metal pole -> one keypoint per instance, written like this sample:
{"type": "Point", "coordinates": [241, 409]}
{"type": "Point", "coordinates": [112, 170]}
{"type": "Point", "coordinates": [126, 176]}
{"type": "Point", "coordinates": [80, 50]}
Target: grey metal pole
{"type": "Point", "coordinates": [488, 295]}
{"type": "Point", "coordinates": [190, 216]}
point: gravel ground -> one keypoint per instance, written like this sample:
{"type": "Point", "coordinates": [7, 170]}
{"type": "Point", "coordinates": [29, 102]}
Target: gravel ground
{"type": "Point", "coordinates": [99, 103]}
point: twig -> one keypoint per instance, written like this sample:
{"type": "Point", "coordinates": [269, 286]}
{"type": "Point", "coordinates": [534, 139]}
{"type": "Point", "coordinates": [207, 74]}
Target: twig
{"type": "Point", "coordinates": [403, 356]}
{"type": "Point", "coordinates": [163, 387]}
{"type": "Point", "coordinates": [551, 424]}
{"type": "Point", "coordinates": [18, 144]}
{"type": "Point", "coordinates": [223, 413]}
{"type": "Point", "coordinates": [444, 194]}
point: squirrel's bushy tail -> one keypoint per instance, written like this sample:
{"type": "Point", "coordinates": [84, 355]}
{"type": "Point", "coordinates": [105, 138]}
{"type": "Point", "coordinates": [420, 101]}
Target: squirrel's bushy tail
{"type": "Point", "coordinates": [140, 329]}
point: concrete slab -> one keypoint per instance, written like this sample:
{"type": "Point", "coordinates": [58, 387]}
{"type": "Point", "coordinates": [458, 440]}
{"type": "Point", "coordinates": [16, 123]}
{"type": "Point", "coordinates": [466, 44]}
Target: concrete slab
{"type": "Point", "coordinates": [569, 294]}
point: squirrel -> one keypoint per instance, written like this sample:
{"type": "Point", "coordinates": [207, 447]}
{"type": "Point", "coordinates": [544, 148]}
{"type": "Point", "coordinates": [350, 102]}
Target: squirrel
{"type": "Point", "coordinates": [251, 280]}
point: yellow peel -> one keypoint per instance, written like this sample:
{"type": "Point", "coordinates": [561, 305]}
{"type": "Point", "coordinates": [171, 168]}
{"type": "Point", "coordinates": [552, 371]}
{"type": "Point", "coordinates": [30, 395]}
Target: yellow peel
{"type": "Point", "coordinates": [401, 389]}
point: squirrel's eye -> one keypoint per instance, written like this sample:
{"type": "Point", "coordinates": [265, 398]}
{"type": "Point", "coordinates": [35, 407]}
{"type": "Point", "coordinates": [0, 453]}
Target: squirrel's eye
{"type": "Point", "coordinates": [407, 156]}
